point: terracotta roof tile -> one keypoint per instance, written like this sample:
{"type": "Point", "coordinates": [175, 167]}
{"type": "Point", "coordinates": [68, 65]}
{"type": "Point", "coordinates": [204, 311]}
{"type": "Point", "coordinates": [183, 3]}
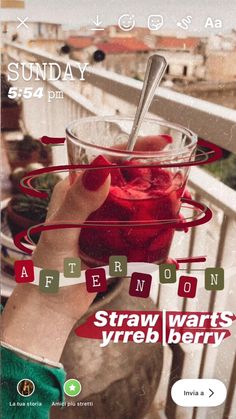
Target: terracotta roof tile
{"type": "Point", "coordinates": [170, 42]}
{"type": "Point", "coordinates": [79, 42]}
{"type": "Point", "coordinates": [119, 45]}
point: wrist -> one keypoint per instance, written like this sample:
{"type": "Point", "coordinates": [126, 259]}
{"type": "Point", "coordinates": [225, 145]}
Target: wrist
{"type": "Point", "coordinates": [31, 323]}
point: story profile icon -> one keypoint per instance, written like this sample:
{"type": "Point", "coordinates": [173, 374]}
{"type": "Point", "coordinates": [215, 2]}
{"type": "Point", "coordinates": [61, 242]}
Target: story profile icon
{"type": "Point", "coordinates": [25, 387]}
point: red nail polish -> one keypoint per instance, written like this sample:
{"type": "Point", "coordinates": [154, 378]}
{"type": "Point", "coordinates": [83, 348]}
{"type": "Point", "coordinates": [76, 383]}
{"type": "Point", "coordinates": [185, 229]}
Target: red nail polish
{"type": "Point", "coordinates": [168, 138]}
{"type": "Point", "coordinates": [173, 261]}
{"type": "Point", "coordinates": [94, 179]}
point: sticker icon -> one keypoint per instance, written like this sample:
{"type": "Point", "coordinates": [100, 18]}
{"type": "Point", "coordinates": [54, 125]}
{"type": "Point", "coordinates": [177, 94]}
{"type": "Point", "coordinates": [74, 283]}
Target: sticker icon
{"type": "Point", "coordinates": [126, 22]}
{"type": "Point", "coordinates": [25, 387]}
{"type": "Point", "coordinates": [72, 387]}
{"type": "Point", "coordinates": [155, 22]}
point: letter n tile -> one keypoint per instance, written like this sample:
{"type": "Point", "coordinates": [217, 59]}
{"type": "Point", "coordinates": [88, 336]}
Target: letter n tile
{"type": "Point", "coordinates": [140, 285]}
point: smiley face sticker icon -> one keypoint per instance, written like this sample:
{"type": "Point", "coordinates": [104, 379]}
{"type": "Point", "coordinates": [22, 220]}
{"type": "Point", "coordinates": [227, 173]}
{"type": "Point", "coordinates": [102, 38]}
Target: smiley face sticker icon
{"type": "Point", "coordinates": [155, 22]}
{"type": "Point", "coordinates": [126, 22]}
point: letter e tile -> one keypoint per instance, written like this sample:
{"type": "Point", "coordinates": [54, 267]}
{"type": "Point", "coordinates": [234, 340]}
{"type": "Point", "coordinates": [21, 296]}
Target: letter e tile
{"type": "Point", "coordinates": [96, 280]}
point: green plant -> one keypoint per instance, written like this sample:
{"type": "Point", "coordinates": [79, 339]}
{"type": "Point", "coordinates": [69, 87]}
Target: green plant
{"type": "Point", "coordinates": [32, 207]}
{"type": "Point", "coordinates": [225, 170]}
{"type": "Point", "coordinates": [230, 172]}
{"type": "Point", "coordinates": [27, 146]}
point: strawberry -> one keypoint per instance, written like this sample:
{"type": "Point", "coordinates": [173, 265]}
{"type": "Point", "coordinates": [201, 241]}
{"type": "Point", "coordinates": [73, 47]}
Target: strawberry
{"type": "Point", "coordinates": [161, 179]}
{"type": "Point", "coordinates": [132, 172]}
{"type": "Point", "coordinates": [153, 142]}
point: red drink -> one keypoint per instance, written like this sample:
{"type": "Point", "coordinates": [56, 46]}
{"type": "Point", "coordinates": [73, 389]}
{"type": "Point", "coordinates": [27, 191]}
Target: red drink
{"type": "Point", "coordinates": [136, 194]}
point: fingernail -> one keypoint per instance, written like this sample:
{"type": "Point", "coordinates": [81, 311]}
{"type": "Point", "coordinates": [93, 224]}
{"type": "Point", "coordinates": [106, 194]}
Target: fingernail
{"type": "Point", "coordinates": [187, 194]}
{"type": "Point", "coordinates": [94, 179]}
{"type": "Point", "coordinates": [173, 261]}
{"type": "Point", "coordinates": [168, 138]}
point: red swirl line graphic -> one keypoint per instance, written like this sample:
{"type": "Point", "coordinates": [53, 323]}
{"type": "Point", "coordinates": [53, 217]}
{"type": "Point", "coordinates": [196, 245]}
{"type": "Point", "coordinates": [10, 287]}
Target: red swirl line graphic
{"type": "Point", "coordinates": [52, 140]}
{"type": "Point", "coordinates": [101, 224]}
{"type": "Point", "coordinates": [26, 186]}
{"type": "Point", "coordinates": [215, 150]}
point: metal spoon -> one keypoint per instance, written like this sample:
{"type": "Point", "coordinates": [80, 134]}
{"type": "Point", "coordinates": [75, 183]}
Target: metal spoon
{"type": "Point", "coordinates": [156, 67]}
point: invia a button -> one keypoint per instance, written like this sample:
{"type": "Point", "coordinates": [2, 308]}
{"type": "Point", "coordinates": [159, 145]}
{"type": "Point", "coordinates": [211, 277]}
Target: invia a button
{"type": "Point", "coordinates": [198, 392]}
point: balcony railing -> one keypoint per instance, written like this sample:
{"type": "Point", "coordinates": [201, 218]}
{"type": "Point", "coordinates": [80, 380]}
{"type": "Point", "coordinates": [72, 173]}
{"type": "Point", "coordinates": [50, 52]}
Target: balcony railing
{"type": "Point", "coordinates": [109, 93]}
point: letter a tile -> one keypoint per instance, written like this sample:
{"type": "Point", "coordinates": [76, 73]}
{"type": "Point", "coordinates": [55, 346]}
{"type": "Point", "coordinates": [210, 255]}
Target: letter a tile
{"type": "Point", "coordinates": [24, 271]}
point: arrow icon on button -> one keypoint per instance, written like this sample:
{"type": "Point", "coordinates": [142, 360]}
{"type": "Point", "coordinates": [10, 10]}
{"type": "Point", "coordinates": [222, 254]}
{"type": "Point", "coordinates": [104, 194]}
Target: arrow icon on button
{"type": "Point", "coordinates": [212, 392]}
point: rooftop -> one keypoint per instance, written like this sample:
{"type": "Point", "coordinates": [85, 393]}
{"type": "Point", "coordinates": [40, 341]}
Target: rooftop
{"type": "Point", "coordinates": [109, 46]}
{"type": "Point", "coordinates": [80, 42]}
{"type": "Point", "coordinates": [117, 45]}
{"type": "Point", "coordinates": [171, 42]}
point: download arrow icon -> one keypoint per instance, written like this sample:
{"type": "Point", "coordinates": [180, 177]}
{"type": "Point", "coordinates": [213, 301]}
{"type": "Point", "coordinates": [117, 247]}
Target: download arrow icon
{"type": "Point", "coordinates": [212, 392]}
{"type": "Point", "coordinates": [97, 22]}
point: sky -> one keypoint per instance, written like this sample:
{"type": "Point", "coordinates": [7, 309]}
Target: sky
{"type": "Point", "coordinates": [81, 12]}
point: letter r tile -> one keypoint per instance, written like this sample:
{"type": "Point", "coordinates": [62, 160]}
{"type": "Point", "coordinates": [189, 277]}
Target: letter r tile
{"type": "Point", "coordinates": [49, 281]}
{"type": "Point", "coordinates": [96, 280]}
{"type": "Point", "coordinates": [118, 266]}
{"type": "Point", "coordinates": [140, 285]}
{"type": "Point", "coordinates": [24, 271]}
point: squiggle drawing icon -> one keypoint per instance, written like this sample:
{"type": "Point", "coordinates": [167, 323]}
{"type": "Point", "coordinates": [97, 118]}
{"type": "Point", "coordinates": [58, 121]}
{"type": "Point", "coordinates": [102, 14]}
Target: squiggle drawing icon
{"type": "Point", "coordinates": [185, 22]}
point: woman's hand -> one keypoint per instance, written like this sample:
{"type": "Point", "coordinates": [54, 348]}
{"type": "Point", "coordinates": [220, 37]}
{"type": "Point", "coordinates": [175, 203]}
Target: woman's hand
{"type": "Point", "coordinates": [39, 323]}
{"type": "Point", "coordinates": [70, 204]}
